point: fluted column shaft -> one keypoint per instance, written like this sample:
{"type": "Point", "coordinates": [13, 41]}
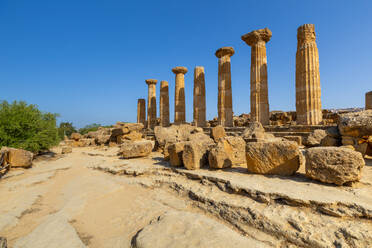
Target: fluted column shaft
{"type": "Point", "coordinates": [225, 110]}
{"type": "Point", "coordinates": [141, 111]}
{"type": "Point", "coordinates": [151, 103]}
{"type": "Point", "coordinates": [179, 96]}
{"type": "Point", "coordinates": [164, 104]}
{"type": "Point", "coordinates": [259, 89]}
{"type": "Point", "coordinates": [257, 39]}
{"type": "Point", "coordinates": [199, 97]}
{"type": "Point", "coordinates": [308, 93]}
{"type": "Point", "coordinates": [369, 100]}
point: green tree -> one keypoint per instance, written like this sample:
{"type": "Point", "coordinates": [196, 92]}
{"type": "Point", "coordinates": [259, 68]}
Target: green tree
{"type": "Point", "coordinates": [65, 128]}
{"type": "Point", "coordinates": [25, 126]}
{"type": "Point", "coordinates": [89, 128]}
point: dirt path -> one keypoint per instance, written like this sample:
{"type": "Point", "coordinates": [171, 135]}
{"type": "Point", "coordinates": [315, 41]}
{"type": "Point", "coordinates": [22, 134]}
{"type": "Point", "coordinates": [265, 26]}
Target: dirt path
{"type": "Point", "coordinates": [72, 202]}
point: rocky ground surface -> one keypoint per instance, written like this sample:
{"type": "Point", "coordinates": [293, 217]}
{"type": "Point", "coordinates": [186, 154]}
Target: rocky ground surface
{"type": "Point", "coordinates": [91, 198]}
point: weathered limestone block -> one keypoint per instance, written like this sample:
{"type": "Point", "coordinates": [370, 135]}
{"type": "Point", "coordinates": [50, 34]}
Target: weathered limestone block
{"type": "Point", "coordinates": [308, 93]}
{"type": "Point", "coordinates": [87, 142]}
{"type": "Point", "coordinates": [175, 152]}
{"type": "Point", "coordinates": [259, 90]}
{"type": "Point", "coordinates": [141, 111]}
{"type": "Point", "coordinates": [164, 104]}
{"type": "Point", "coordinates": [217, 133]}
{"type": "Point", "coordinates": [295, 138]}
{"type": "Point", "coordinates": [330, 141]}
{"type": "Point", "coordinates": [151, 103]}
{"type": "Point", "coordinates": [273, 157]}
{"type": "Point", "coordinates": [133, 136]}
{"type": "Point", "coordinates": [195, 155]}
{"type": "Point", "coordinates": [75, 136]}
{"type": "Point", "coordinates": [255, 131]}
{"type": "Point", "coordinates": [199, 97]}
{"type": "Point", "coordinates": [174, 133]}
{"type": "Point", "coordinates": [334, 165]}
{"type": "Point", "coordinates": [315, 138]}
{"type": "Point", "coordinates": [225, 109]}
{"type": "Point", "coordinates": [18, 157]}
{"type": "Point", "coordinates": [135, 149]}
{"type": "Point", "coordinates": [66, 149]}
{"type": "Point", "coordinates": [356, 124]}
{"type": "Point", "coordinates": [369, 100]}
{"type": "Point", "coordinates": [179, 95]}
{"type": "Point", "coordinates": [132, 127]}
{"type": "Point", "coordinates": [229, 151]}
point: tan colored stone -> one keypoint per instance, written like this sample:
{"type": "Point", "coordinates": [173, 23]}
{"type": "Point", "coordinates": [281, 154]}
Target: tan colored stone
{"type": "Point", "coordinates": [151, 103]}
{"type": "Point", "coordinates": [141, 111]}
{"type": "Point", "coordinates": [135, 149]}
{"type": "Point", "coordinates": [195, 152]}
{"type": "Point", "coordinates": [257, 39]}
{"type": "Point", "coordinates": [164, 104]}
{"type": "Point", "coordinates": [66, 149]}
{"type": "Point", "coordinates": [315, 138]}
{"type": "Point", "coordinates": [273, 157]}
{"type": "Point", "coordinates": [217, 133]}
{"type": "Point", "coordinates": [229, 151]}
{"type": "Point", "coordinates": [225, 109]}
{"type": "Point", "coordinates": [175, 154]}
{"type": "Point", "coordinates": [297, 139]}
{"type": "Point", "coordinates": [199, 97]}
{"type": "Point", "coordinates": [18, 157]}
{"type": "Point", "coordinates": [76, 136]}
{"type": "Point", "coordinates": [308, 93]}
{"type": "Point", "coordinates": [334, 165]}
{"type": "Point", "coordinates": [179, 95]}
{"type": "Point", "coordinates": [356, 124]}
{"type": "Point", "coordinates": [237, 152]}
{"type": "Point", "coordinates": [369, 100]}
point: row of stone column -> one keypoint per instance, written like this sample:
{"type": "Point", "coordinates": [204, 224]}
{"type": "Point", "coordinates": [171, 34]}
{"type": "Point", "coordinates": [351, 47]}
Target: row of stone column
{"type": "Point", "coordinates": [308, 102]}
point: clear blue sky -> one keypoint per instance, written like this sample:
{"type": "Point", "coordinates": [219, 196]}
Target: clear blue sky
{"type": "Point", "coordinates": [88, 60]}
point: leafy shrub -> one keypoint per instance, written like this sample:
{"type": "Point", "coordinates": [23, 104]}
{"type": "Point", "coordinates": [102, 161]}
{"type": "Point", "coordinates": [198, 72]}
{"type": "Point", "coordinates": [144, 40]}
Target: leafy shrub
{"type": "Point", "coordinates": [24, 126]}
{"type": "Point", "coordinates": [89, 128]}
{"type": "Point", "coordinates": [65, 128]}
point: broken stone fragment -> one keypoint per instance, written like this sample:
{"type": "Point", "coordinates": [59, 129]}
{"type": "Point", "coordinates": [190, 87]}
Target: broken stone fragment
{"type": "Point", "coordinates": [273, 157]}
{"type": "Point", "coordinates": [18, 157]}
{"type": "Point", "coordinates": [76, 136]}
{"type": "Point", "coordinates": [66, 149]}
{"type": "Point", "coordinates": [334, 165]}
{"type": "Point", "coordinates": [135, 149]}
{"type": "Point", "coordinates": [218, 132]}
{"type": "Point", "coordinates": [175, 153]}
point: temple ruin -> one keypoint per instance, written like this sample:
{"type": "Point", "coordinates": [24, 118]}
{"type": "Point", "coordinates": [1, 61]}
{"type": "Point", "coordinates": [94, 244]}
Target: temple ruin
{"type": "Point", "coordinates": [151, 103]}
{"type": "Point", "coordinates": [141, 111]}
{"type": "Point", "coordinates": [308, 102]}
{"type": "Point", "coordinates": [164, 104]}
{"type": "Point", "coordinates": [225, 110]}
{"type": "Point", "coordinates": [179, 95]}
{"type": "Point", "coordinates": [259, 90]}
{"type": "Point", "coordinates": [368, 100]}
{"type": "Point", "coordinates": [199, 97]}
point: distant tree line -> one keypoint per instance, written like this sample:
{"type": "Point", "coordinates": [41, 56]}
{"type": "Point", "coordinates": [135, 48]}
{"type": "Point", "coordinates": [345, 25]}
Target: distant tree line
{"type": "Point", "coordinates": [24, 126]}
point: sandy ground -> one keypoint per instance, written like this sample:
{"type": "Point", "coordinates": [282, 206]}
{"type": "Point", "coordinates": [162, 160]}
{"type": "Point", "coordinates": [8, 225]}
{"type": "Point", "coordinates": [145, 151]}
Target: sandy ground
{"type": "Point", "coordinates": [70, 201]}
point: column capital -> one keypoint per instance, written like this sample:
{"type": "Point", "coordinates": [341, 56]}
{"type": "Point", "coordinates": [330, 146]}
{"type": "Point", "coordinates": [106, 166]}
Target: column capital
{"type": "Point", "coordinates": [151, 81]}
{"type": "Point", "coordinates": [255, 36]}
{"type": "Point", "coordinates": [306, 33]}
{"type": "Point", "coordinates": [179, 69]}
{"type": "Point", "coordinates": [163, 83]}
{"type": "Point", "coordinates": [223, 51]}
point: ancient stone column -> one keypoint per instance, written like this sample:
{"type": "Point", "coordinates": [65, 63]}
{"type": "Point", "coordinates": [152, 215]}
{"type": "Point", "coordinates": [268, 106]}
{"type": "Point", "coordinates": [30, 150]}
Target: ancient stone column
{"type": "Point", "coordinates": [308, 103]}
{"type": "Point", "coordinates": [225, 111]}
{"type": "Point", "coordinates": [141, 111]}
{"type": "Point", "coordinates": [151, 103]}
{"type": "Point", "coordinates": [199, 97]}
{"type": "Point", "coordinates": [257, 40]}
{"type": "Point", "coordinates": [369, 100]}
{"type": "Point", "coordinates": [179, 96]}
{"type": "Point", "coordinates": [164, 104]}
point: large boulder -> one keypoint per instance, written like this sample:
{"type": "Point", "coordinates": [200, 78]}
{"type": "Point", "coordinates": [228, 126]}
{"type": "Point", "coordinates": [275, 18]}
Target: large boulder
{"type": "Point", "coordinates": [66, 149]}
{"type": "Point", "coordinates": [174, 134]}
{"type": "Point", "coordinates": [175, 153]}
{"type": "Point", "coordinates": [179, 229]}
{"type": "Point", "coordinates": [217, 133]}
{"type": "Point", "coordinates": [220, 156]}
{"type": "Point", "coordinates": [255, 131]}
{"type": "Point", "coordinates": [315, 138]}
{"type": "Point", "coordinates": [195, 152]}
{"type": "Point", "coordinates": [76, 136]}
{"type": "Point", "coordinates": [135, 149]}
{"type": "Point", "coordinates": [18, 157]}
{"type": "Point", "coordinates": [356, 124]}
{"type": "Point", "coordinates": [273, 157]}
{"type": "Point", "coordinates": [333, 164]}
